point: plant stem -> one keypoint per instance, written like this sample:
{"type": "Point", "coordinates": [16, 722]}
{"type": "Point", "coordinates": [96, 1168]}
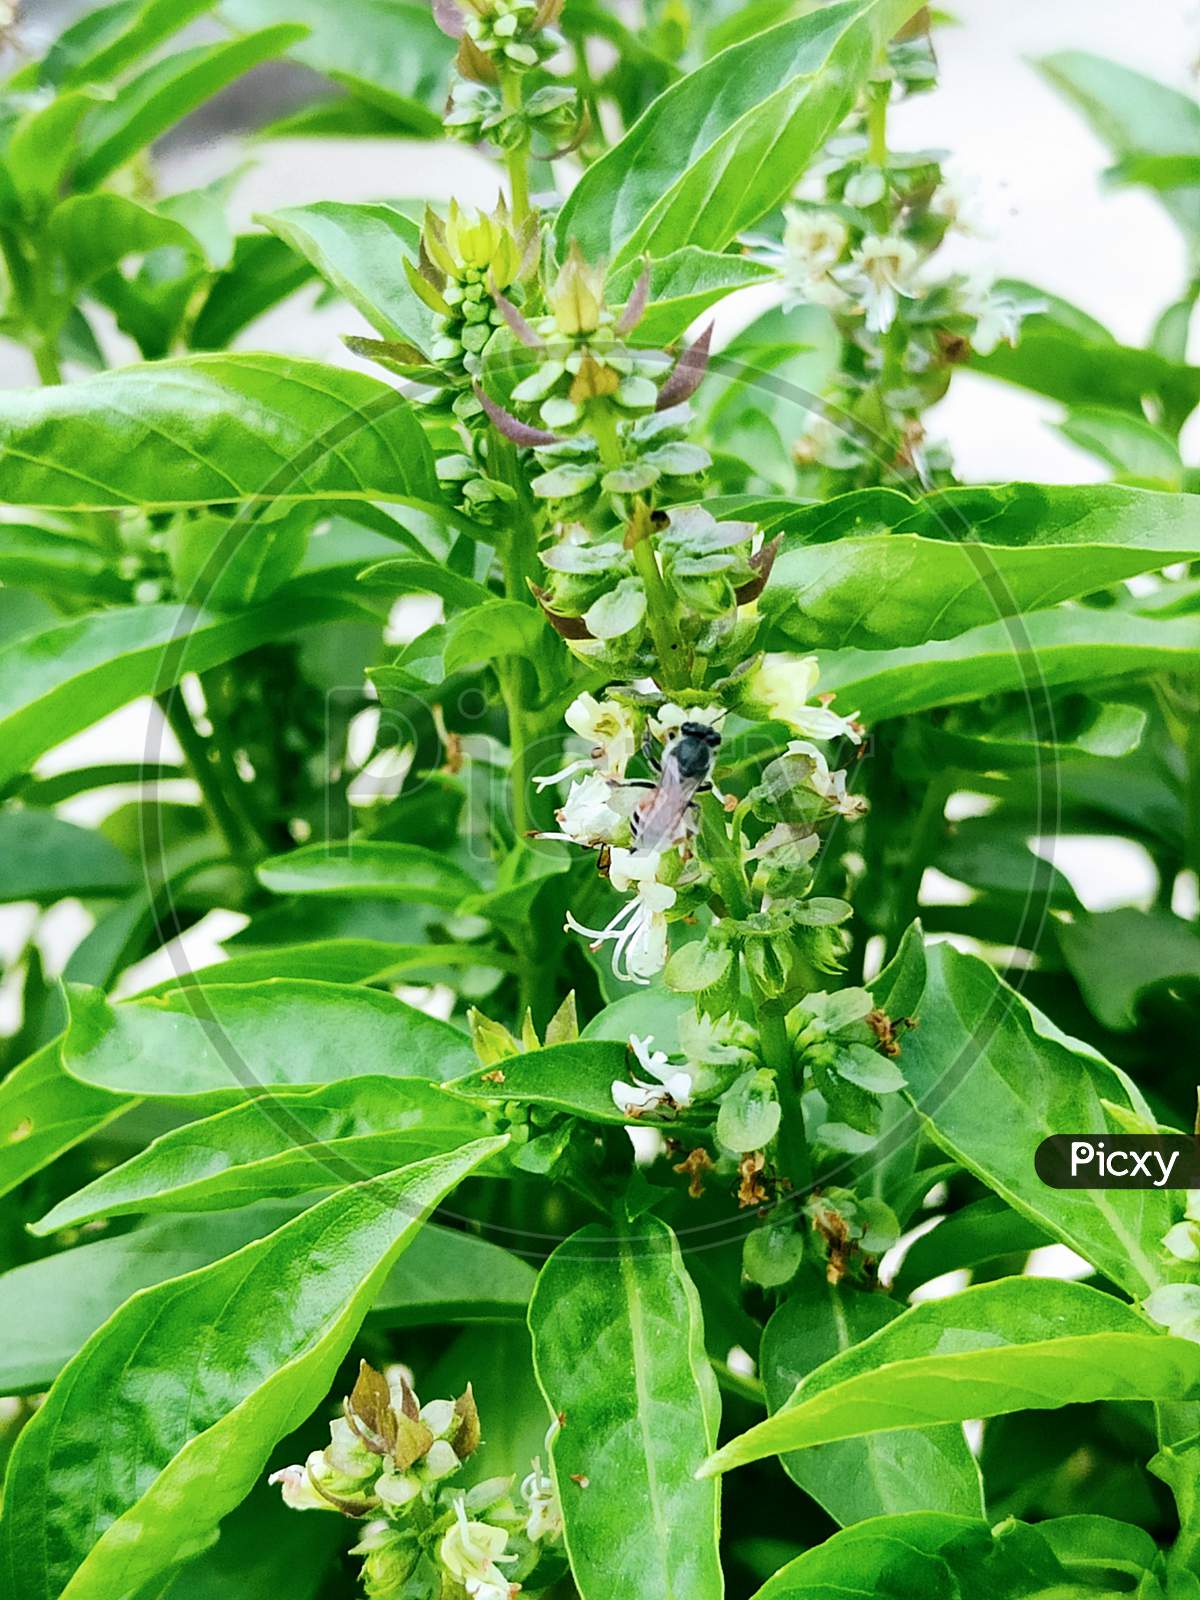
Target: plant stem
{"type": "Point", "coordinates": [660, 610]}
{"type": "Point", "coordinates": [926, 833]}
{"type": "Point", "coordinates": [877, 110]}
{"type": "Point", "coordinates": [197, 753]}
{"type": "Point", "coordinates": [516, 160]}
{"type": "Point", "coordinates": [1192, 751]}
{"type": "Point", "coordinates": [795, 1158]}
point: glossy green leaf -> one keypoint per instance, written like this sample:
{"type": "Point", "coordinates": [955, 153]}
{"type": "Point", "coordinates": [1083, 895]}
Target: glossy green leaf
{"type": "Point", "coordinates": [926, 1554]}
{"type": "Point", "coordinates": [379, 869]}
{"type": "Point", "coordinates": [984, 1232]}
{"type": "Point", "coordinates": [389, 53]}
{"type": "Point", "coordinates": [683, 285]}
{"type": "Point", "coordinates": [63, 679]}
{"type": "Point", "coordinates": [1030, 654]}
{"type": "Point", "coordinates": [158, 97]}
{"type": "Point", "coordinates": [212, 430]}
{"type": "Point", "coordinates": [915, 1469]}
{"type": "Point", "coordinates": [1117, 957]}
{"type": "Point", "coordinates": [619, 1353]}
{"type": "Point", "coordinates": [44, 858]}
{"type": "Point", "coordinates": [1013, 1345]}
{"type": "Point", "coordinates": [566, 1077]}
{"type": "Point", "coordinates": [360, 250]}
{"type": "Point", "coordinates": [279, 1145]}
{"type": "Point", "coordinates": [44, 1111]}
{"type": "Point", "coordinates": [249, 1345]}
{"type": "Point", "coordinates": [874, 568]}
{"type": "Point", "coordinates": [725, 144]}
{"type": "Point", "coordinates": [50, 1308]}
{"type": "Point", "coordinates": [990, 1077]}
{"type": "Point", "coordinates": [235, 1041]}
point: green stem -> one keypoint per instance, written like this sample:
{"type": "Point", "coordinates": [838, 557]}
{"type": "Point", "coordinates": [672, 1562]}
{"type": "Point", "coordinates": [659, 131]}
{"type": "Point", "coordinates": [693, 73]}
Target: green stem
{"type": "Point", "coordinates": [660, 614]}
{"type": "Point", "coordinates": [877, 110]}
{"type": "Point", "coordinates": [1193, 794]}
{"type": "Point", "coordinates": [516, 160]}
{"type": "Point", "coordinates": [923, 841]}
{"type": "Point", "coordinates": [795, 1158]}
{"type": "Point", "coordinates": [197, 752]}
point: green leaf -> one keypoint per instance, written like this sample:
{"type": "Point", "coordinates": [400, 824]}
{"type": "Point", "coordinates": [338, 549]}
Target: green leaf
{"type": "Point", "coordinates": [875, 568]}
{"type": "Point", "coordinates": [376, 868]}
{"type": "Point", "coordinates": [230, 1043]}
{"type": "Point", "coordinates": [359, 251]}
{"type": "Point", "coordinates": [279, 1145]}
{"type": "Point", "coordinates": [926, 1553]}
{"type": "Point", "coordinates": [389, 53]}
{"type": "Point", "coordinates": [682, 286]}
{"type": "Point", "coordinates": [981, 1233]}
{"type": "Point", "coordinates": [104, 42]}
{"type": "Point", "coordinates": [263, 272]}
{"type": "Point", "coordinates": [43, 1112]}
{"type": "Point", "coordinates": [1064, 353]}
{"type": "Point", "coordinates": [41, 149]}
{"type": "Point", "coordinates": [44, 558]}
{"type": "Point", "coordinates": [1030, 654]}
{"type": "Point", "coordinates": [723, 146]}
{"type": "Point", "coordinates": [409, 575]}
{"type": "Point", "coordinates": [44, 858]}
{"type": "Point", "coordinates": [159, 97]}
{"type": "Point", "coordinates": [574, 1077]}
{"type": "Point", "coordinates": [916, 1469]}
{"type": "Point", "coordinates": [447, 1276]}
{"type": "Point", "coordinates": [619, 1353]}
{"type": "Point", "coordinates": [1116, 957]}
{"type": "Point", "coordinates": [1134, 116]}
{"type": "Point", "coordinates": [1134, 448]}
{"type": "Point", "coordinates": [54, 683]}
{"type": "Point", "coordinates": [118, 1478]}
{"type": "Point", "coordinates": [212, 430]}
{"type": "Point", "coordinates": [1013, 1345]}
{"type": "Point", "coordinates": [50, 1308]}
{"type": "Point", "coordinates": [495, 628]}
{"type": "Point", "coordinates": [990, 1077]}
{"type": "Point", "coordinates": [336, 961]}
{"type": "Point", "coordinates": [93, 232]}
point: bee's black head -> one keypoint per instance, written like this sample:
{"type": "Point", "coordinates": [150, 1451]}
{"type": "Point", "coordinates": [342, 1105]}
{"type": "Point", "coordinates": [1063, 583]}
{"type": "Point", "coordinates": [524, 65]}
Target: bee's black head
{"type": "Point", "coordinates": [702, 731]}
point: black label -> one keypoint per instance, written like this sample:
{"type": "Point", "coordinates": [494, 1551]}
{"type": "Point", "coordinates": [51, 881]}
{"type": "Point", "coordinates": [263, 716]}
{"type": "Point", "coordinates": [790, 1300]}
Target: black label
{"type": "Point", "coordinates": [1119, 1161]}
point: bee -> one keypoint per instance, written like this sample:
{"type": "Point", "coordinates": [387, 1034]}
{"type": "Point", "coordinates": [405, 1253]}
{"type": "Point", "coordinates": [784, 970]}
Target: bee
{"type": "Point", "coordinates": [665, 815]}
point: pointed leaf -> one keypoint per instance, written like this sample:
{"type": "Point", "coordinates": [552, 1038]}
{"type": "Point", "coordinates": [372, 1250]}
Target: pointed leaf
{"type": "Point", "coordinates": [619, 1354]}
{"type": "Point", "coordinates": [118, 1478]}
{"type": "Point", "coordinates": [1014, 1345]}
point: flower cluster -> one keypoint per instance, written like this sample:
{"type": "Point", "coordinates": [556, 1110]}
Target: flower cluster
{"type": "Point", "coordinates": [389, 1459]}
{"type": "Point", "coordinates": [865, 249]}
{"type": "Point", "coordinates": [645, 828]}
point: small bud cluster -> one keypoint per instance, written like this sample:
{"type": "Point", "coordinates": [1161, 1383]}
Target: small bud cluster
{"type": "Point", "coordinates": [500, 42]}
{"type": "Point", "coordinates": [389, 1459]}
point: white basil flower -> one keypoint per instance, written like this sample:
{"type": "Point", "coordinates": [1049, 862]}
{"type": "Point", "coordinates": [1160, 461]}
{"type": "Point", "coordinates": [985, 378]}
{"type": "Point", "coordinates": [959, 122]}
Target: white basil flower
{"type": "Point", "coordinates": [672, 1086]}
{"type": "Point", "coordinates": [881, 270]}
{"type": "Point", "coordinates": [471, 1553]}
{"type": "Point", "coordinates": [783, 686]}
{"type": "Point", "coordinates": [638, 931]}
{"type": "Point", "coordinates": [609, 728]}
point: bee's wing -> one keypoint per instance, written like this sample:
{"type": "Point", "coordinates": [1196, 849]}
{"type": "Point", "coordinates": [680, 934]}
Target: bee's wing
{"type": "Point", "coordinates": [661, 819]}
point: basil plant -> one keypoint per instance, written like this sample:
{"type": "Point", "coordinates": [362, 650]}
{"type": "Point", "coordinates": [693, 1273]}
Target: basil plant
{"type": "Point", "coordinates": [523, 1073]}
